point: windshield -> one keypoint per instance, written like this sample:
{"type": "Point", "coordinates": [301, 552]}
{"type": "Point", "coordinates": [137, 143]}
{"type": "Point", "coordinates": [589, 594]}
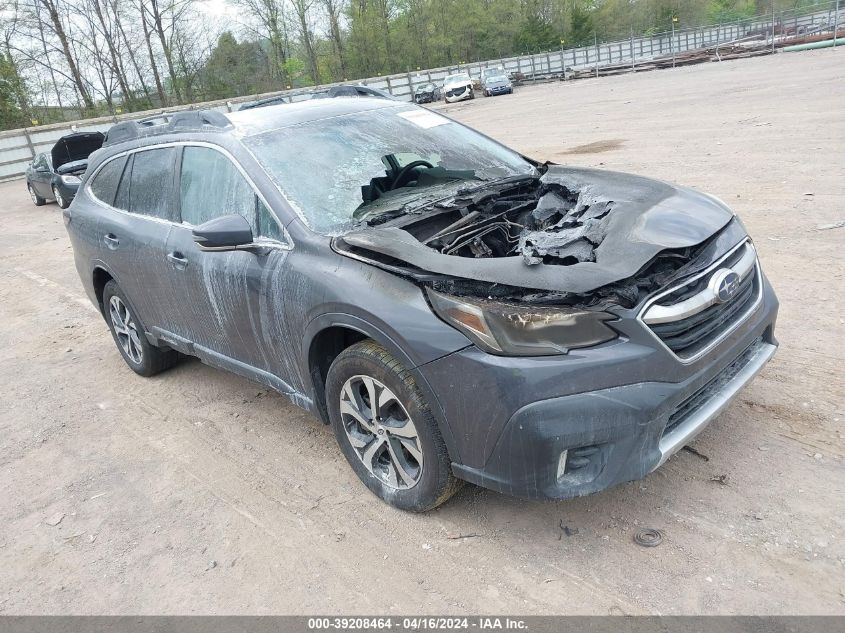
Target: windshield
{"type": "Point", "coordinates": [328, 168]}
{"type": "Point", "coordinates": [453, 79]}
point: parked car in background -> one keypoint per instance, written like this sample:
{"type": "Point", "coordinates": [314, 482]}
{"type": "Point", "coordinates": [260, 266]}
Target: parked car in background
{"type": "Point", "coordinates": [328, 93]}
{"type": "Point", "coordinates": [458, 88]}
{"type": "Point", "coordinates": [455, 310]}
{"type": "Point", "coordinates": [427, 93]}
{"type": "Point", "coordinates": [493, 71]}
{"type": "Point", "coordinates": [496, 83]}
{"type": "Point", "coordinates": [55, 175]}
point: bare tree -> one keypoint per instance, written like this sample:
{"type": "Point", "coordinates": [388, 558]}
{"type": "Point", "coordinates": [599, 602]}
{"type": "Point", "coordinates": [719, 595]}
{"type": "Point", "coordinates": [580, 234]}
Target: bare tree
{"type": "Point", "coordinates": [52, 8]}
{"type": "Point", "coordinates": [158, 13]}
{"type": "Point", "coordinates": [153, 66]}
{"type": "Point", "coordinates": [334, 9]}
{"type": "Point", "coordinates": [115, 9]}
{"type": "Point", "coordinates": [306, 34]}
{"type": "Point", "coordinates": [271, 17]}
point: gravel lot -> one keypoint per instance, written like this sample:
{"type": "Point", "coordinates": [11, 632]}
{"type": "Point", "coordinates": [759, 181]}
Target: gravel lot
{"type": "Point", "coordinates": [200, 492]}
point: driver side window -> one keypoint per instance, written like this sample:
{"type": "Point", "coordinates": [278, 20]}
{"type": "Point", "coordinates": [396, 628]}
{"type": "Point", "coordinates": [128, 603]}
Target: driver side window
{"type": "Point", "coordinates": [211, 186]}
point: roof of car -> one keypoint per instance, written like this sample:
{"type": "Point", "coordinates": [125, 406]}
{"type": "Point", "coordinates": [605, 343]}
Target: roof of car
{"type": "Point", "coordinates": [243, 123]}
{"type": "Point", "coordinates": [258, 120]}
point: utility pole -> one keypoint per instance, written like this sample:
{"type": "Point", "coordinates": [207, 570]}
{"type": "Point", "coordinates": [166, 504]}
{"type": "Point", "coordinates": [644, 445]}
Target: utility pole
{"type": "Point", "coordinates": [674, 19]}
{"type": "Point", "coordinates": [773, 25]}
{"type": "Point", "coordinates": [562, 61]}
{"type": "Point", "coordinates": [596, 40]}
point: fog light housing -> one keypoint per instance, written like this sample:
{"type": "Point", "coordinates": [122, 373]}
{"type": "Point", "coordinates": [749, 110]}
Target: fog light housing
{"type": "Point", "coordinates": [577, 466]}
{"type": "Point", "coordinates": [561, 465]}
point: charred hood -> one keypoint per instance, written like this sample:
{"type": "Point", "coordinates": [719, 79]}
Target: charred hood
{"type": "Point", "coordinates": [569, 231]}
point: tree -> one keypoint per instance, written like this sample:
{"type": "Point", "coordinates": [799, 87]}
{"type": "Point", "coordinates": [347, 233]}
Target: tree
{"type": "Point", "coordinates": [13, 94]}
{"type": "Point", "coordinates": [271, 18]}
{"type": "Point", "coordinates": [233, 69]}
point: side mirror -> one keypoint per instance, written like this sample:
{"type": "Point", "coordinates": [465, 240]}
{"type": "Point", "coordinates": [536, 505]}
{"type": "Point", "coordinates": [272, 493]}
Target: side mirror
{"type": "Point", "coordinates": [226, 233]}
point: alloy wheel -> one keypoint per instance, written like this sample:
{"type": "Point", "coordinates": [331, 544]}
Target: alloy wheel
{"type": "Point", "coordinates": [381, 432]}
{"type": "Point", "coordinates": [58, 195]}
{"type": "Point", "coordinates": [32, 194]}
{"type": "Point", "coordinates": [125, 329]}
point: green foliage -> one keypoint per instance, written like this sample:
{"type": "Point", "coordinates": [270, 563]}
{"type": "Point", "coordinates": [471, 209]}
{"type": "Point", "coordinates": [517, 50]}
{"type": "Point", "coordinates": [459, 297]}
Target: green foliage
{"type": "Point", "coordinates": [729, 10]}
{"type": "Point", "coordinates": [234, 69]}
{"type": "Point", "coordinates": [13, 95]}
{"type": "Point", "coordinates": [294, 68]}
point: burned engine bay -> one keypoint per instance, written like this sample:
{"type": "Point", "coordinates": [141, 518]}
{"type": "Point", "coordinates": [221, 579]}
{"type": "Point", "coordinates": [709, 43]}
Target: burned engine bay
{"type": "Point", "coordinates": [570, 236]}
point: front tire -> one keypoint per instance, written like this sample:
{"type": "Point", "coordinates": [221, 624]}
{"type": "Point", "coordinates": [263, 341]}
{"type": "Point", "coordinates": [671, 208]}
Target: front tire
{"type": "Point", "coordinates": [386, 430]}
{"type": "Point", "coordinates": [128, 332]}
{"type": "Point", "coordinates": [37, 200]}
{"type": "Point", "coordinates": [60, 199]}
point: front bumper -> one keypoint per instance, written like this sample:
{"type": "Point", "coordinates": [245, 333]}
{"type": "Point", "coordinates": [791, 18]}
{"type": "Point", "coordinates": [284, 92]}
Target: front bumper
{"type": "Point", "coordinates": [499, 90]}
{"type": "Point", "coordinates": [458, 95]}
{"type": "Point", "coordinates": [619, 410]}
{"type": "Point", "coordinates": [68, 191]}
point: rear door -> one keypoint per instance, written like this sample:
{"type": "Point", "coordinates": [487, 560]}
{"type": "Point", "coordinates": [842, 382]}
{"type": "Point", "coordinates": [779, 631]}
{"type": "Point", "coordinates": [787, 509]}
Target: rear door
{"type": "Point", "coordinates": [135, 233]}
{"type": "Point", "coordinates": [234, 300]}
{"type": "Point", "coordinates": [42, 176]}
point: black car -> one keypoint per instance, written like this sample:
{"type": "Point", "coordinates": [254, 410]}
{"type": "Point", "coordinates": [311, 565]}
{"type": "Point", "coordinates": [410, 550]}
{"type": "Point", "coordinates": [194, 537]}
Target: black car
{"type": "Point", "coordinates": [427, 93]}
{"type": "Point", "coordinates": [455, 310]}
{"type": "Point", "coordinates": [328, 93]}
{"type": "Point", "coordinates": [55, 175]}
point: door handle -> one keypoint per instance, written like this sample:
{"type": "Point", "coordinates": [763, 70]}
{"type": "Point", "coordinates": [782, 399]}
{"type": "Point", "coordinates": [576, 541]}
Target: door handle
{"type": "Point", "coordinates": [178, 260]}
{"type": "Point", "coordinates": [111, 240]}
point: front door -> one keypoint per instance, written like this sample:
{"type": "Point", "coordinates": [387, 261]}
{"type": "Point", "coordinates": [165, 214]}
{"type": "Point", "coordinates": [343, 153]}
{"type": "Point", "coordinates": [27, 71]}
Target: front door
{"type": "Point", "coordinates": [233, 306]}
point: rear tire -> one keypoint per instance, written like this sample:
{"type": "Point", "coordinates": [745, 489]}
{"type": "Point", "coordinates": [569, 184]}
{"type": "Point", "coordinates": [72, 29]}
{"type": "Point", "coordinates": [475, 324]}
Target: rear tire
{"type": "Point", "coordinates": [396, 449]}
{"type": "Point", "coordinates": [129, 335]}
{"type": "Point", "coordinates": [37, 200]}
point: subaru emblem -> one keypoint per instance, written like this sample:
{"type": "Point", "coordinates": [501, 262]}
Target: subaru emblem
{"type": "Point", "coordinates": [724, 283]}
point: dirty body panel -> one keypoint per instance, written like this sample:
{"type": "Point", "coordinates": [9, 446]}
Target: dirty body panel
{"type": "Point", "coordinates": [380, 248]}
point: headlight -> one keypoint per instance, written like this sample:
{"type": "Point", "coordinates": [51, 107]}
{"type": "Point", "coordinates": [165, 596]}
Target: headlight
{"type": "Point", "coordinates": [71, 180]}
{"type": "Point", "coordinates": [514, 330]}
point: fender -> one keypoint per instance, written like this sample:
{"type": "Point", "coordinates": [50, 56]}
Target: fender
{"type": "Point", "coordinates": [339, 319]}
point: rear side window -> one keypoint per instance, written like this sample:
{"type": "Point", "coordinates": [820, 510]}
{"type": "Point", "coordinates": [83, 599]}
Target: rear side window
{"type": "Point", "coordinates": [212, 186]}
{"type": "Point", "coordinates": [150, 190]}
{"type": "Point", "coordinates": [104, 185]}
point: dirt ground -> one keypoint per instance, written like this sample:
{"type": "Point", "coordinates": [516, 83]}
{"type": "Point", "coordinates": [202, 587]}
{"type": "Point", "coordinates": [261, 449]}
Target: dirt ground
{"type": "Point", "coordinates": [200, 492]}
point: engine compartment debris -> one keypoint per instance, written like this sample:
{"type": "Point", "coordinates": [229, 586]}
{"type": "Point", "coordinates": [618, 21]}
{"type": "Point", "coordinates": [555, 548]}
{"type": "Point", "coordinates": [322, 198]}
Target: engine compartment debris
{"type": "Point", "coordinates": [575, 237]}
{"type": "Point", "coordinates": [545, 223]}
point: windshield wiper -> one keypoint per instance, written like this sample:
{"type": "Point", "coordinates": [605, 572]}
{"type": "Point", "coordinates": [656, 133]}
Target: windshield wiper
{"type": "Point", "coordinates": [497, 182]}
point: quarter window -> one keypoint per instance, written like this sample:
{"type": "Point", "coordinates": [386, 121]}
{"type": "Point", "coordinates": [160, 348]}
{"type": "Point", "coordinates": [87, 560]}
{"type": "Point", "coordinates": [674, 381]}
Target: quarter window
{"type": "Point", "coordinates": [104, 185]}
{"type": "Point", "coordinates": [211, 186]}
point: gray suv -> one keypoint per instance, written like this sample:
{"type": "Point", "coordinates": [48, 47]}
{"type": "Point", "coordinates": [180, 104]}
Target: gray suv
{"type": "Point", "coordinates": [456, 311]}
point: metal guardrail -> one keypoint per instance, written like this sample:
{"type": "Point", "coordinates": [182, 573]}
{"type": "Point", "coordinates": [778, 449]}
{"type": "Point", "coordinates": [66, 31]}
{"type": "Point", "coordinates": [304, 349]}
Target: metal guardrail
{"type": "Point", "coordinates": [19, 147]}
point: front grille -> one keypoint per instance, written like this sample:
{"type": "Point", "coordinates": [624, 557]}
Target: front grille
{"type": "Point", "coordinates": [688, 332]}
{"type": "Point", "coordinates": [687, 336]}
{"type": "Point", "coordinates": [454, 92]}
{"type": "Point", "coordinates": [712, 388]}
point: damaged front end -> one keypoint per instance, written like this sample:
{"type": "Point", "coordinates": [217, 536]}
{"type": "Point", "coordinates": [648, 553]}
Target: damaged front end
{"type": "Point", "coordinates": [569, 237]}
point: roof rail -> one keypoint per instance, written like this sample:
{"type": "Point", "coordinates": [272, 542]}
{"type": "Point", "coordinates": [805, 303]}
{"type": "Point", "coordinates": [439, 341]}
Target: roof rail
{"type": "Point", "coordinates": [167, 123]}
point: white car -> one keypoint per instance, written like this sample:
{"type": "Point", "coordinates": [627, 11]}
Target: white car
{"type": "Point", "coordinates": [458, 88]}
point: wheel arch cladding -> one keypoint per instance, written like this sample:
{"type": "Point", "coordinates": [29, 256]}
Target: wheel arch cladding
{"type": "Point", "coordinates": [325, 346]}
{"type": "Point", "coordinates": [101, 277]}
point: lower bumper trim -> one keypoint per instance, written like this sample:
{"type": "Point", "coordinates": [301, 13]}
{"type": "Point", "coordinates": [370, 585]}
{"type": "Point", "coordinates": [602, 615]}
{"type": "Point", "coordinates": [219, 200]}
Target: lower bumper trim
{"type": "Point", "coordinates": [697, 421]}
